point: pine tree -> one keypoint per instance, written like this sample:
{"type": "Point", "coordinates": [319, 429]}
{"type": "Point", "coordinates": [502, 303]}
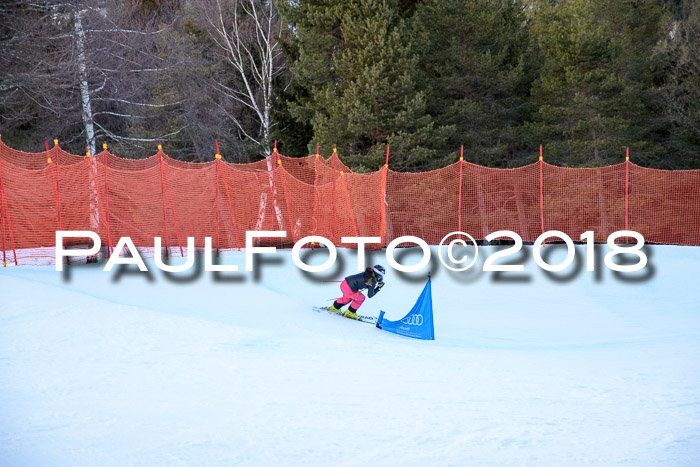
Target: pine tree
{"type": "Point", "coordinates": [475, 58]}
{"type": "Point", "coordinates": [594, 94]}
{"type": "Point", "coordinates": [357, 62]}
{"type": "Point", "coordinates": [681, 90]}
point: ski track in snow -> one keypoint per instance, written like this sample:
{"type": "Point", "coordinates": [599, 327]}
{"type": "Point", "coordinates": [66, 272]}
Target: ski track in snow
{"type": "Point", "coordinates": [116, 369]}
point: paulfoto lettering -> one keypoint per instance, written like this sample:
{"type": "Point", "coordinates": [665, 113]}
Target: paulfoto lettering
{"type": "Point", "coordinates": [471, 248]}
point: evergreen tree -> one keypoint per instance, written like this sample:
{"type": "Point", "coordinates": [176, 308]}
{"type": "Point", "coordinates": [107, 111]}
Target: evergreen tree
{"type": "Point", "coordinates": [594, 94]}
{"type": "Point", "coordinates": [476, 61]}
{"type": "Point", "coordinates": [357, 62]}
{"type": "Point", "coordinates": [681, 52]}
{"type": "Point", "coordinates": [294, 136]}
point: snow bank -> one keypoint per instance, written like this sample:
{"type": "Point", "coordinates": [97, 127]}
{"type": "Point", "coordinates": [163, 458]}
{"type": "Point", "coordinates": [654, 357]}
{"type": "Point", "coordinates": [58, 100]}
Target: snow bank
{"type": "Point", "coordinates": [127, 368]}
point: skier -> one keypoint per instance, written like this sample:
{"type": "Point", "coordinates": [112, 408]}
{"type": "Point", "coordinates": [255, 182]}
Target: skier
{"type": "Point", "coordinates": [372, 280]}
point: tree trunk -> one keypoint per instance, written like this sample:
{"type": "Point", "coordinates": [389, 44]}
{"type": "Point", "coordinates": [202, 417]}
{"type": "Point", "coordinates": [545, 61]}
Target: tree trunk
{"type": "Point", "coordinates": [84, 90]}
{"type": "Point", "coordinates": [87, 121]}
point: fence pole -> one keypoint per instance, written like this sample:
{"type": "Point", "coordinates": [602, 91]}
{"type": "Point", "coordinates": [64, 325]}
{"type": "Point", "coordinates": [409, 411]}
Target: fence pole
{"type": "Point", "coordinates": [217, 160]}
{"type": "Point", "coordinates": [541, 198]}
{"type": "Point", "coordinates": [335, 156]}
{"type": "Point", "coordinates": [313, 212]}
{"type": "Point", "coordinates": [627, 191]}
{"type": "Point", "coordinates": [459, 203]}
{"type": "Point", "coordinates": [55, 152]}
{"type": "Point", "coordinates": [162, 198]}
{"type": "Point", "coordinates": [58, 179]}
{"type": "Point", "coordinates": [382, 231]}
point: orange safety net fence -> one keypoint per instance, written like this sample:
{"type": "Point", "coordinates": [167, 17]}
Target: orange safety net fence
{"type": "Point", "coordinates": [158, 196]}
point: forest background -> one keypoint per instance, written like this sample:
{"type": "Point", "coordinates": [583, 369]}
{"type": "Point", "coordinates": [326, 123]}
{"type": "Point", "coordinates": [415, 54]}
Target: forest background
{"type": "Point", "coordinates": [584, 78]}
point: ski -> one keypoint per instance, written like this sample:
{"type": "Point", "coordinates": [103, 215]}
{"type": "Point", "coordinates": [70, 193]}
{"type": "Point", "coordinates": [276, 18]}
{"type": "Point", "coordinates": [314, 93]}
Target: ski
{"type": "Point", "coordinates": [363, 319]}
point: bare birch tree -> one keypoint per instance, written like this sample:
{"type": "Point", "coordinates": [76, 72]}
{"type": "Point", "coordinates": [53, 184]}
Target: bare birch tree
{"type": "Point", "coordinates": [248, 33]}
{"type": "Point", "coordinates": [70, 62]}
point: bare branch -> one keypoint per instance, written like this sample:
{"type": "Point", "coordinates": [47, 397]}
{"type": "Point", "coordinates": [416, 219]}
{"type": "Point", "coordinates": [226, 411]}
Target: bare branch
{"type": "Point", "coordinates": [142, 104]}
{"type": "Point", "coordinates": [250, 38]}
{"type": "Point", "coordinates": [143, 140]}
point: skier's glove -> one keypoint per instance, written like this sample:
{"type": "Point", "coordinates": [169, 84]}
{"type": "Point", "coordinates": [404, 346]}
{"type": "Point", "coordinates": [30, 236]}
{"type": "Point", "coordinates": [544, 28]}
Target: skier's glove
{"type": "Point", "coordinates": [379, 287]}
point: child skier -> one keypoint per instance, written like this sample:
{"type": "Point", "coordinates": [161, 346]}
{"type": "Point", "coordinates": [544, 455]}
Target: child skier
{"type": "Point", "coordinates": [372, 280]}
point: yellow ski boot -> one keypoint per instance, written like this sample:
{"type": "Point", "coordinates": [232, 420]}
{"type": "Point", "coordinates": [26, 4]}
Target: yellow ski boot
{"type": "Point", "coordinates": [334, 309]}
{"type": "Point", "coordinates": [351, 314]}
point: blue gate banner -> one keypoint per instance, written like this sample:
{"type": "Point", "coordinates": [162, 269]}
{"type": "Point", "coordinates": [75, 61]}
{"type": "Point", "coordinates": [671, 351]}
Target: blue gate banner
{"type": "Point", "coordinates": [418, 323]}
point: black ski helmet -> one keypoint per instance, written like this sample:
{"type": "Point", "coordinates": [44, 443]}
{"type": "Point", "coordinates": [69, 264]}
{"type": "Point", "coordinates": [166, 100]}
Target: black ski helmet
{"type": "Point", "coordinates": [379, 269]}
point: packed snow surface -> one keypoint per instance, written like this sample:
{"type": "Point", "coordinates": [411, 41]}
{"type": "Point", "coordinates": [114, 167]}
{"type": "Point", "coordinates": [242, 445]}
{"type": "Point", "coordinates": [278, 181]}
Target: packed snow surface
{"type": "Point", "coordinates": [201, 368]}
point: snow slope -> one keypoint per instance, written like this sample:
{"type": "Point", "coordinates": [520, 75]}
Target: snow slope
{"type": "Point", "coordinates": [198, 368]}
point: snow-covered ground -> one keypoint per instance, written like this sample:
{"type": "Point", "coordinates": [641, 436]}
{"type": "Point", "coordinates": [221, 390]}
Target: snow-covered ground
{"type": "Point", "coordinates": [201, 368]}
